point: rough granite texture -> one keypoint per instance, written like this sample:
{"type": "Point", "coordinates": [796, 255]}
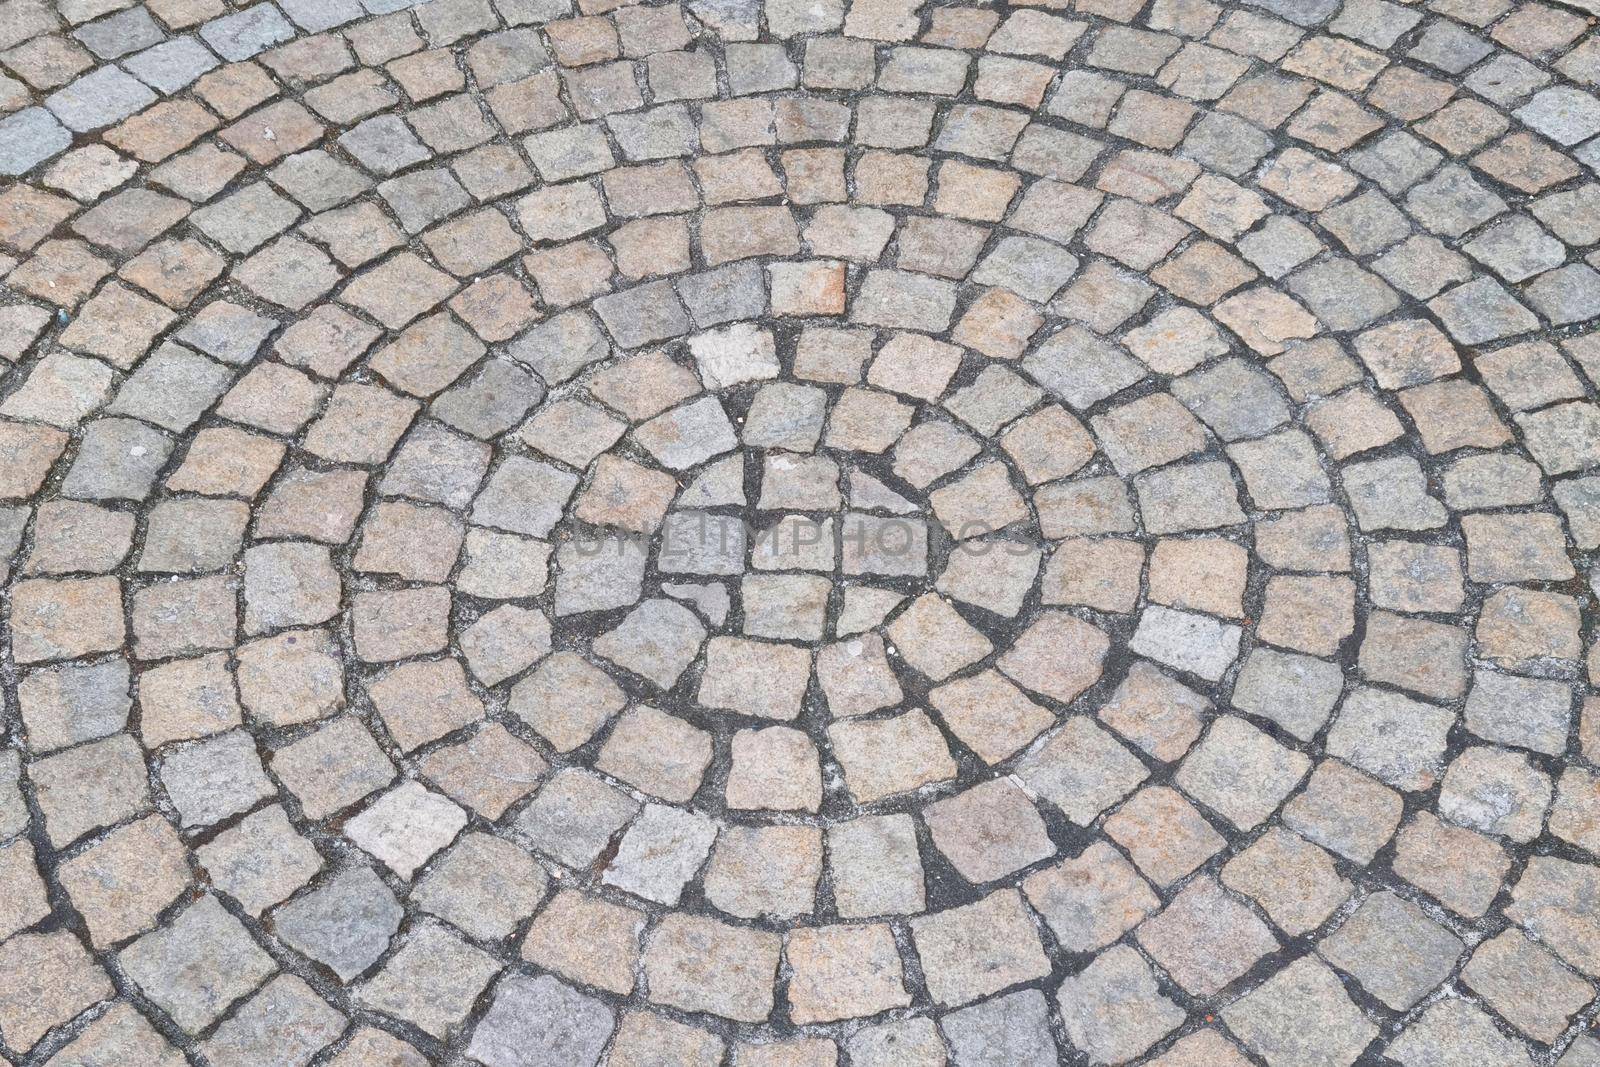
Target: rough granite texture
{"type": "Point", "coordinates": [799, 532]}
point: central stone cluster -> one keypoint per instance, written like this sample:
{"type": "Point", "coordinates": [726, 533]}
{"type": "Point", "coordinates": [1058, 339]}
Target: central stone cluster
{"type": "Point", "coordinates": [768, 546]}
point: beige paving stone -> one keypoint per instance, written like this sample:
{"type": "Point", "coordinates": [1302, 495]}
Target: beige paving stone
{"type": "Point", "coordinates": [844, 972]}
{"type": "Point", "coordinates": [483, 885]}
{"type": "Point", "coordinates": [979, 948]}
{"type": "Point", "coordinates": [775, 768]}
{"type": "Point", "coordinates": [989, 714]}
{"type": "Point", "coordinates": [26, 902]}
{"type": "Point", "coordinates": [1525, 983]}
{"type": "Point", "coordinates": [588, 940]}
{"type": "Point", "coordinates": [1461, 868]}
{"type": "Point", "coordinates": [703, 965]}
{"type": "Point", "coordinates": [123, 881]}
{"type": "Point", "coordinates": [883, 757]}
{"type": "Point", "coordinates": [1155, 712]}
{"type": "Point", "coordinates": [90, 787]}
{"type": "Point", "coordinates": [120, 1031]}
{"type": "Point", "coordinates": [431, 982]}
{"type": "Point", "coordinates": [989, 831]}
{"type": "Point", "coordinates": [1293, 880]}
{"type": "Point", "coordinates": [55, 978]}
{"type": "Point", "coordinates": [656, 752]}
{"type": "Point", "coordinates": [1166, 836]}
{"type": "Point", "coordinates": [643, 1036]}
{"type": "Point", "coordinates": [1205, 939]}
{"type": "Point", "coordinates": [764, 871]}
{"type": "Point", "coordinates": [1302, 1010]}
{"type": "Point", "coordinates": [875, 865]}
{"type": "Point", "coordinates": [65, 619]}
{"type": "Point", "coordinates": [1090, 900]}
{"type": "Point", "coordinates": [1112, 1008]}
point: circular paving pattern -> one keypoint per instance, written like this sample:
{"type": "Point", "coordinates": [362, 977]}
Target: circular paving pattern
{"type": "Point", "coordinates": [799, 534]}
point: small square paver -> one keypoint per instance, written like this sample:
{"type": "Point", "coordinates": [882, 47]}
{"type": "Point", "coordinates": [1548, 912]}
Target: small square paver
{"type": "Point", "coordinates": [1393, 949]}
{"type": "Point", "coordinates": [405, 827]}
{"type": "Point", "coordinates": [198, 966]}
{"type": "Point", "coordinates": [54, 979]}
{"type": "Point", "coordinates": [431, 981]}
{"type": "Point", "coordinates": [979, 948]}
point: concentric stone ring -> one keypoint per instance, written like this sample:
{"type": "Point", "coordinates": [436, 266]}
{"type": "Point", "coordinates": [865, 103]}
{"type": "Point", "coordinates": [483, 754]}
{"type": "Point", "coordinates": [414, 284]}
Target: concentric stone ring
{"type": "Point", "coordinates": [762, 532]}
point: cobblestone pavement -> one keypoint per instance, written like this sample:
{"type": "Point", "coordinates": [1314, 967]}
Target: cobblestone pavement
{"type": "Point", "coordinates": [788, 533]}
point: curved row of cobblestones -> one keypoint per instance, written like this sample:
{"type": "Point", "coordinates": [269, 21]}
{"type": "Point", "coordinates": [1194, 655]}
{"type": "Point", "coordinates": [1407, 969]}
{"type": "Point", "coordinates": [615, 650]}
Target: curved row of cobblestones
{"type": "Point", "coordinates": [799, 533]}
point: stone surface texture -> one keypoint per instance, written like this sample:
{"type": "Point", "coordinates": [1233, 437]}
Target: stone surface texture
{"type": "Point", "coordinates": [828, 533]}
